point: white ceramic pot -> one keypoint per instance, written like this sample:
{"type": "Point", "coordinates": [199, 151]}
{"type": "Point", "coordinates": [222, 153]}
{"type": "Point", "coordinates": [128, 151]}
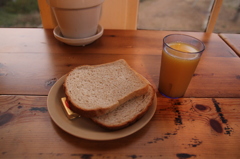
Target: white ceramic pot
{"type": "Point", "coordinates": [77, 18]}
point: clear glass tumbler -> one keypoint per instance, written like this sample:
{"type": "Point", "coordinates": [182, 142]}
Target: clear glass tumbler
{"type": "Point", "coordinates": [180, 57]}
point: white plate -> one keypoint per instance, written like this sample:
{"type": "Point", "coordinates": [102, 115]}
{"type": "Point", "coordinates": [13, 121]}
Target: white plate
{"type": "Point", "coordinates": [77, 42]}
{"type": "Point", "coordinates": [83, 127]}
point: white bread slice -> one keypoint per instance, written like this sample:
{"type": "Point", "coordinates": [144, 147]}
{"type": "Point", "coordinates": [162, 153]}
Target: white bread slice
{"type": "Point", "coordinates": [127, 113]}
{"type": "Point", "coordinates": [95, 90]}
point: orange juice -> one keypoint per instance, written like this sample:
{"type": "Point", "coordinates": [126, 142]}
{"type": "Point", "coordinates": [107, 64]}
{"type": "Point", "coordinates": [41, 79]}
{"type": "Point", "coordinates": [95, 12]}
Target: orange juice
{"type": "Point", "coordinates": [179, 61]}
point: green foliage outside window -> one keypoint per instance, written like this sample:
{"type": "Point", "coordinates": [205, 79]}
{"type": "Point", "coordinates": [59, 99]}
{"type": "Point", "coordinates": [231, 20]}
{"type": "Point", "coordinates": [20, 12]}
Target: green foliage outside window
{"type": "Point", "coordinates": [21, 6]}
{"type": "Point", "coordinates": [19, 13]}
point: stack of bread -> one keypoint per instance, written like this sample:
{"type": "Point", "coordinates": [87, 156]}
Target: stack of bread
{"type": "Point", "coordinates": [113, 95]}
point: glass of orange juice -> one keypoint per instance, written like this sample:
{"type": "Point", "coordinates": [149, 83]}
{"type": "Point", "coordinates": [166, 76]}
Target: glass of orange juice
{"type": "Point", "coordinates": [180, 57]}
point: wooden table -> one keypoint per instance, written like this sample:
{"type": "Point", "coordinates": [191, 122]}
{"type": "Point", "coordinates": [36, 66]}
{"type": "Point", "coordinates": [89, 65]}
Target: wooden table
{"type": "Point", "coordinates": [233, 40]}
{"type": "Point", "coordinates": [203, 124]}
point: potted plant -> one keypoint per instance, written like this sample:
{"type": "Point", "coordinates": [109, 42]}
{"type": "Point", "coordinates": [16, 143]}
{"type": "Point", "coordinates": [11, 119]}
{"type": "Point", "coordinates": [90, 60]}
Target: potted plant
{"type": "Point", "coordinates": [77, 18]}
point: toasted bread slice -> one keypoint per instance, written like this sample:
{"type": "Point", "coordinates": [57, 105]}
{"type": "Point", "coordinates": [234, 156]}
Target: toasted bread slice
{"type": "Point", "coordinates": [127, 113]}
{"type": "Point", "coordinates": [95, 90]}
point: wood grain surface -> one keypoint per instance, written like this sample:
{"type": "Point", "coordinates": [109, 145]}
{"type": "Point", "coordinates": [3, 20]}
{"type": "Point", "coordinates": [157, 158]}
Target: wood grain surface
{"type": "Point", "coordinates": [203, 124]}
{"type": "Point", "coordinates": [232, 40]}
{"type": "Point", "coordinates": [32, 60]}
{"type": "Point", "coordinates": [182, 128]}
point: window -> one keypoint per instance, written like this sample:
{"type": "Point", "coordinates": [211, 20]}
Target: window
{"type": "Point", "coordinates": [176, 15]}
{"type": "Point", "coordinates": [19, 13]}
{"type": "Point", "coordinates": [229, 17]}
{"type": "Point", "coordinates": [187, 15]}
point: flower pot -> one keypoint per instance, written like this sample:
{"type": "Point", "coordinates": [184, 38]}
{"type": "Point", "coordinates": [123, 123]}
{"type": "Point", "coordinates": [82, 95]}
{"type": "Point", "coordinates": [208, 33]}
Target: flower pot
{"type": "Point", "coordinates": [77, 18]}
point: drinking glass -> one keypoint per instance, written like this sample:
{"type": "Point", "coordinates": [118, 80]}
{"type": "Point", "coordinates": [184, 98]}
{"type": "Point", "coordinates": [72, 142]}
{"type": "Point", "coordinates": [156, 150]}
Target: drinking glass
{"type": "Point", "coordinates": [180, 57]}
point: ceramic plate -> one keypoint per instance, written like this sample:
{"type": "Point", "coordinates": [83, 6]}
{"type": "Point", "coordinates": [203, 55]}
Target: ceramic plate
{"type": "Point", "coordinates": [83, 127]}
{"type": "Point", "coordinates": [77, 42]}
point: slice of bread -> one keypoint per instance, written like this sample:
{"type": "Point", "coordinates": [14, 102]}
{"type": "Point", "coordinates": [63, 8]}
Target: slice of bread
{"type": "Point", "coordinates": [128, 113]}
{"type": "Point", "coordinates": [95, 90]}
